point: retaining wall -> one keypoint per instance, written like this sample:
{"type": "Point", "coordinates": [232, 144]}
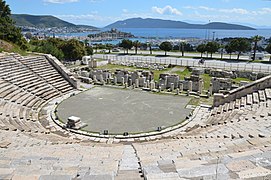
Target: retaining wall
{"type": "Point", "coordinates": [237, 93]}
{"type": "Point", "coordinates": [62, 70]}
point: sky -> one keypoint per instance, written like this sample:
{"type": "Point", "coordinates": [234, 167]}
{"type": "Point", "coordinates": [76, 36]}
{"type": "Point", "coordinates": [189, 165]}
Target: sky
{"type": "Point", "coordinates": [100, 13]}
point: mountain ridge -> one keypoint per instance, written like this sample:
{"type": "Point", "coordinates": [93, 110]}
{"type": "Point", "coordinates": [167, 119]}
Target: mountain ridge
{"type": "Point", "coordinates": [44, 21]}
{"type": "Point", "coordinates": [160, 23]}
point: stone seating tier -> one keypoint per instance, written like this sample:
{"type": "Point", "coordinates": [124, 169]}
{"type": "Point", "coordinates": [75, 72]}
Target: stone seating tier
{"type": "Point", "coordinates": [23, 91]}
{"type": "Point", "coordinates": [233, 141]}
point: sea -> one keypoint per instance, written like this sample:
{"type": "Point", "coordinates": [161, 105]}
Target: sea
{"type": "Point", "coordinates": [145, 34]}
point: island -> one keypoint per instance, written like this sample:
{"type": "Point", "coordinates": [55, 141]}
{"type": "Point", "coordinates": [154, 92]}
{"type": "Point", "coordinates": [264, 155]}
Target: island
{"type": "Point", "coordinates": [112, 34]}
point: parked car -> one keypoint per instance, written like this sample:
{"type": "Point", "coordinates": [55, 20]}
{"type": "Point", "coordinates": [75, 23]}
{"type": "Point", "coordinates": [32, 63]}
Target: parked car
{"type": "Point", "coordinates": [115, 50]}
{"type": "Point", "coordinates": [258, 55]}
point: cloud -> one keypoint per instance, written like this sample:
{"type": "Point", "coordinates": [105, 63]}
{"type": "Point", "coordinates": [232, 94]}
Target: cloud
{"type": "Point", "coordinates": [125, 10]}
{"type": "Point", "coordinates": [206, 8]}
{"type": "Point", "coordinates": [166, 10]}
{"type": "Point", "coordinates": [265, 11]}
{"type": "Point", "coordinates": [235, 10]}
{"type": "Point", "coordinates": [93, 16]}
{"type": "Point", "coordinates": [95, 1]}
{"type": "Point", "coordinates": [60, 1]}
{"type": "Point", "coordinates": [200, 8]}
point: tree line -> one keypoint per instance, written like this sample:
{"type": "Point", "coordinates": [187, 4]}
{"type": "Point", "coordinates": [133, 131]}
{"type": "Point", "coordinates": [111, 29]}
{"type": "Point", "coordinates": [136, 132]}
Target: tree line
{"type": "Point", "coordinates": [230, 46]}
{"type": "Point", "coordinates": [73, 49]}
{"type": "Point", "coordinates": [68, 50]}
{"type": "Point", "coordinates": [8, 31]}
{"type": "Point", "coordinates": [62, 49]}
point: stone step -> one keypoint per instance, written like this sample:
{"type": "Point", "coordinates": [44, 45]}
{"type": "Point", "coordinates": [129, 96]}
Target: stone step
{"type": "Point", "coordinates": [243, 102]}
{"type": "Point", "coordinates": [129, 175]}
{"type": "Point", "coordinates": [220, 109]}
{"type": "Point", "coordinates": [262, 96]}
{"type": "Point", "coordinates": [268, 93]}
{"type": "Point", "coordinates": [129, 161]}
{"type": "Point", "coordinates": [214, 111]}
{"type": "Point", "coordinates": [249, 99]}
{"type": "Point", "coordinates": [226, 107]}
{"type": "Point", "coordinates": [237, 104]}
{"type": "Point", "coordinates": [255, 97]}
{"type": "Point", "coordinates": [231, 106]}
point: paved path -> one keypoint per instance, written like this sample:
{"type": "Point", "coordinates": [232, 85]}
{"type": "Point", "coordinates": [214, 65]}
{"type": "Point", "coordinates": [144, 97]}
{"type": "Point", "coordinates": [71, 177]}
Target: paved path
{"type": "Point", "coordinates": [227, 65]}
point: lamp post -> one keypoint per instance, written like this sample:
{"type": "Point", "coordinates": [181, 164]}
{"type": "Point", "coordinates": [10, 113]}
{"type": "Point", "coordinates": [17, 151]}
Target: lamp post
{"type": "Point", "coordinates": [208, 33]}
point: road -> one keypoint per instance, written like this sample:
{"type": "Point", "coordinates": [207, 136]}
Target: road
{"type": "Point", "coordinates": [227, 65]}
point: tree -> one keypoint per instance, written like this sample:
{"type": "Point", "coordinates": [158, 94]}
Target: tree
{"type": "Point", "coordinates": [150, 47]}
{"type": "Point", "coordinates": [73, 50]}
{"type": "Point", "coordinates": [96, 47]}
{"type": "Point", "coordinates": [229, 49]}
{"type": "Point", "coordinates": [165, 46]}
{"type": "Point", "coordinates": [5, 10]}
{"type": "Point", "coordinates": [188, 47]}
{"type": "Point", "coordinates": [49, 48]}
{"type": "Point", "coordinates": [136, 45]}
{"type": "Point", "coordinates": [89, 50]}
{"type": "Point", "coordinates": [28, 35]}
{"type": "Point", "coordinates": [182, 46]}
{"type": "Point", "coordinates": [8, 31]}
{"type": "Point", "coordinates": [239, 45]}
{"type": "Point", "coordinates": [201, 48]}
{"type": "Point", "coordinates": [268, 49]}
{"type": "Point", "coordinates": [244, 46]}
{"type": "Point", "coordinates": [86, 43]}
{"type": "Point", "coordinates": [126, 44]}
{"type": "Point", "coordinates": [144, 46]}
{"type": "Point", "coordinates": [212, 47]}
{"type": "Point", "coordinates": [56, 41]}
{"type": "Point", "coordinates": [109, 47]}
{"type": "Point", "coordinates": [221, 50]}
{"type": "Point", "coordinates": [255, 39]}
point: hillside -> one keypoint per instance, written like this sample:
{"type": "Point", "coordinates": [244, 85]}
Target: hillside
{"type": "Point", "coordinates": [10, 47]}
{"type": "Point", "coordinates": [159, 23]}
{"type": "Point", "coordinates": [44, 21]}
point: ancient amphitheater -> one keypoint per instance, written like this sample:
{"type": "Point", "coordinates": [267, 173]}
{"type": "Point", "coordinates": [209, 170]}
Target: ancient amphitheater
{"type": "Point", "coordinates": [230, 141]}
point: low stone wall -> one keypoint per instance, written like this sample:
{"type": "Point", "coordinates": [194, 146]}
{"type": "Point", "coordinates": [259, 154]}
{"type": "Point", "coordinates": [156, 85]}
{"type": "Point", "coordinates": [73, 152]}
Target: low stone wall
{"type": "Point", "coordinates": [237, 93]}
{"type": "Point", "coordinates": [62, 70]}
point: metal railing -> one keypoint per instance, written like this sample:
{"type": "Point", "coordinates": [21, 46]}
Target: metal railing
{"type": "Point", "coordinates": [241, 66]}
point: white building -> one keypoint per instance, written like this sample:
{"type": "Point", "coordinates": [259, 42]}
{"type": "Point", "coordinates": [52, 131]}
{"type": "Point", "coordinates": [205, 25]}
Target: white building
{"type": "Point", "coordinates": [86, 59]}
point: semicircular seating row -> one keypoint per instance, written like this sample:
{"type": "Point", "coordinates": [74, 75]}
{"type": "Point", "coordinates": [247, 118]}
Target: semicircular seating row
{"type": "Point", "coordinates": [232, 141]}
{"type": "Point", "coordinates": [26, 83]}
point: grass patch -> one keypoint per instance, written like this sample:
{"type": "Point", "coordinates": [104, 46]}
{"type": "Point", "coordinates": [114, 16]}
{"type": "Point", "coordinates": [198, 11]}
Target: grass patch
{"type": "Point", "coordinates": [195, 101]}
{"type": "Point", "coordinates": [238, 80]}
{"type": "Point", "coordinates": [207, 80]}
{"type": "Point", "coordinates": [115, 67]}
{"type": "Point", "coordinates": [207, 101]}
{"type": "Point", "coordinates": [184, 73]}
{"type": "Point", "coordinates": [11, 47]}
{"type": "Point", "coordinates": [261, 61]}
{"type": "Point", "coordinates": [157, 73]}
